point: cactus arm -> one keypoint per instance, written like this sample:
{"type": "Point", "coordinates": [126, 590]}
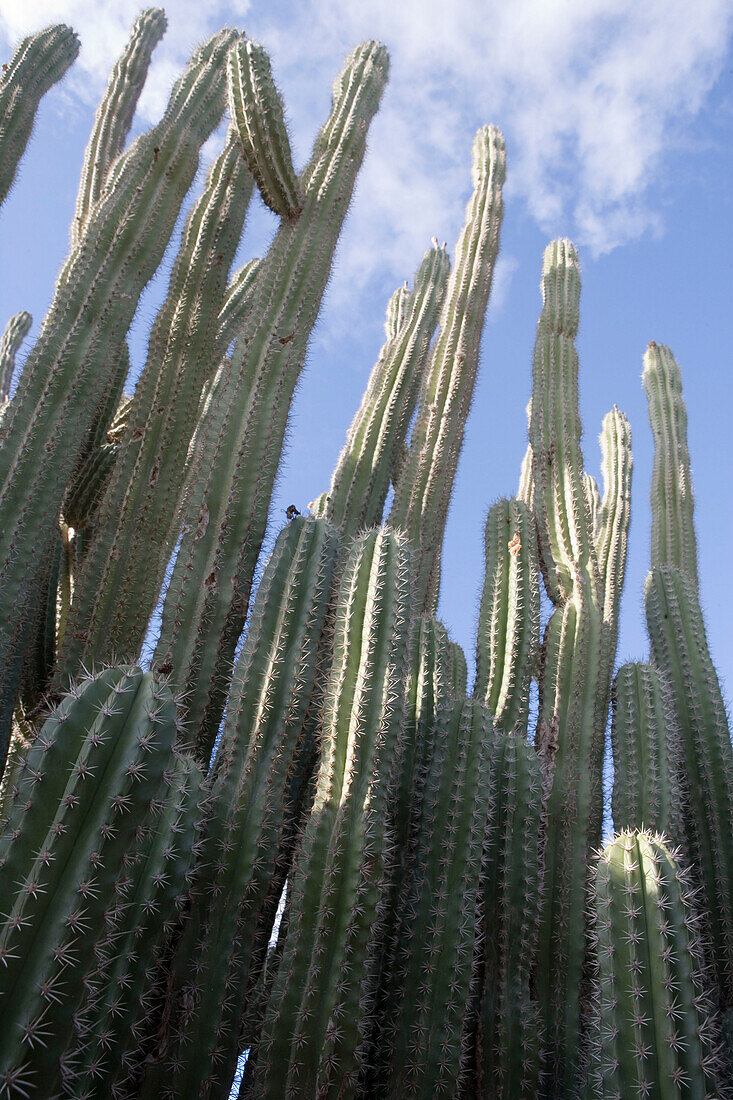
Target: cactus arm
{"type": "Point", "coordinates": [647, 754]}
{"type": "Point", "coordinates": [459, 671]}
{"type": "Point", "coordinates": [114, 115]}
{"type": "Point", "coordinates": [45, 428]}
{"type": "Point", "coordinates": [565, 536]}
{"type": "Point", "coordinates": [509, 1036]}
{"type": "Point", "coordinates": [38, 63]}
{"type": "Point", "coordinates": [422, 494]}
{"type": "Point", "coordinates": [613, 513]}
{"type": "Point", "coordinates": [509, 617]}
{"type": "Point", "coordinates": [13, 336]}
{"type": "Point", "coordinates": [258, 115]}
{"type": "Point", "coordinates": [361, 480]}
{"type": "Point", "coordinates": [680, 652]}
{"type": "Point", "coordinates": [673, 530]}
{"type": "Point", "coordinates": [651, 1015]}
{"type": "Point", "coordinates": [125, 563]}
{"type": "Point", "coordinates": [241, 440]}
{"type": "Point", "coordinates": [238, 300]}
{"type": "Point", "coordinates": [249, 843]}
{"type": "Point", "coordinates": [326, 984]}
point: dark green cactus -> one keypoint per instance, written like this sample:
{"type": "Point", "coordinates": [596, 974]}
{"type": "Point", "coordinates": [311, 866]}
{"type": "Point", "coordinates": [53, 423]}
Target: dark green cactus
{"type": "Point", "coordinates": [15, 333]}
{"type": "Point", "coordinates": [651, 1016]}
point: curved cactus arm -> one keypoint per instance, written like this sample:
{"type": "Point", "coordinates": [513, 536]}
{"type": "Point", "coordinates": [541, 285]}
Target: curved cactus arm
{"type": "Point", "coordinates": [613, 513]}
{"type": "Point", "coordinates": [91, 776]}
{"type": "Point", "coordinates": [115, 112]}
{"type": "Point", "coordinates": [238, 301]}
{"type": "Point", "coordinates": [680, 652]}
{"type": "Point", "coordinates": [673, 529]}
{"type": "Point", "coordinates": [241, 440]}
{"type": "Point", "coordinates": [38, 63]}
{"type": "Point", "coordinates": [509, 1035]}
{"type": "Point", "coordinates": [566, 542]}
{"type": "Point", "coordinates": [45, 428]}
{"type": "Point", "coordinates": [525, 489]}
{"type": "Point", "coordinates": [427, 1042]}
{"type": "Point", "coordinates": [508, 637]}
{"type": "Point", "coordinates": [258, 114]}
{"type": "Point", "coordinates": [13, 336]}
{"type": "Point", "coordinates": [252, 827]}
{"type": "Point", "coordinates": [324, 991]}
{"type": "Point", "coordinates": [125, 563]}
{"type": "Point", "coordinates": [459, 671]}
{"type": "Point", "coordinates": [650, 1016]}
{"type": "Point", "coordinates": [361, 480]}
{"type": "Point", "coordinates": [648, 772]}
{"type": "Point", "coordinates": [593, 501]}
{"type": "Point", "coordinates": [423, 491]}
{"type": "Point", "coordinates": [399, 308]}
{"type": "Point", "coordinates": [118, 1010]}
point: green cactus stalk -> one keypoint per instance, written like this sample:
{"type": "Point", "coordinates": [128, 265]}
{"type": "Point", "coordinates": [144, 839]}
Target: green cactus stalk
{"type": "Point", "coordinates": [423, 491]}
{"type": "Point", "coordinates": [651, 1017]}
{"type": "Point", "coordinates": [647, 756]}
{"type": "Point", "coordinates": [253, 822]}
{"type": "Point", "coordinates": [507, 644]}
{"type": "Point", "coordinates": [240, 443]}
{"type": "Point", "coordinates": [258, 115]}
{"type": "Point", "coordinates": [39, 62]}
{"type": "Point", "coordinates": [673, 529]}
{"type": "Point", "coordinates": [45, 428]}
{"type": "Point", "coordinates": [322, 998]}
{"type": "Point", "coordinates": [114, 115]}
{"type": "Point", "coordinates": [680, 652]}
{"type": "Point", "coordinates": [459, 671]}
{"type": "Point", "coordinates": [118, 1009]}
{"type": "Point", "coordinates": [509, 1033]}
{"type": "Point", "coordinates": [238, 300]}
{"type": "Point", "coordinates": [426, 1044]}
{"type": "Point", "coordinates": [611, 516]}
{"type": "Point", "coordinates": [361, 480]}
{"type": "Point", "coordinates": [83, 793]}
{"type": "Point", "coordinates": [13, 336]}
{"type": "Point", "coordinates": [125, 563]}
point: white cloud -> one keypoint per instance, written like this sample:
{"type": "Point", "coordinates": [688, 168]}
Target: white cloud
{"type": "Point", "coordinates": [591, 94]}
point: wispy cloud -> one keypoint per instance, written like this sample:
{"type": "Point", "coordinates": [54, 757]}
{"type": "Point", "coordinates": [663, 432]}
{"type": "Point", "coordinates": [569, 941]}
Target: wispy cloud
{"type": "Point", "coordinates": [592, 96]}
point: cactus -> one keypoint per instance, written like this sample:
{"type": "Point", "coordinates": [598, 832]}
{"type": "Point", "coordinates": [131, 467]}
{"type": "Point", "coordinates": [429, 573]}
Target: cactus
{"type": "Point", "coordinates": [509, 619]}
{"type": "Point", "coordinates": [653, 1030]}
{"type": "Point", "coordinates": [423, 490]}
{"type": "Point", "coordinates": [15, 333]}
{"type": "Point", "coordinates": [361, 480]}
{"type": "Point", "coordinates": [241, 440]}
{"type": "Point", "coordinates": [509, 1034]}
{"type": "Point", "coordinates": [252, 823]}
{"type": "Point", "coordinates": [258, 114]}
{"type": "Point", "coordinates": [647, 754]}
{"type": "Point", "coordinates": [44, 430]}
{"type": "Point", "coordinates": [325, 988]}
{"type": "Point", "coordinates": [39, 62]}
{"type": "Point", "coordinates": [84, 791]}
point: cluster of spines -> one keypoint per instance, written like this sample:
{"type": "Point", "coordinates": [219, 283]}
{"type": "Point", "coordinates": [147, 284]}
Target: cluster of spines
{"type": "Point", "coordinates": [651, 1015]}
{"type": "Point", "coordinates": [318, 1017]}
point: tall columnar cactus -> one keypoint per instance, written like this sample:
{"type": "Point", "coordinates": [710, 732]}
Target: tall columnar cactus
{"type": "Point", "coordinates": [45, 428]}
{"type": "Point", "coordinates": [87, 787]}
{"type": "Point", "coordinates": [425, 484]}
{"type": "Point", "coordinates": [680, 652]}
{"type": "Point", "coordinates": [13, 336]}
{"type": "Point", "coordinates": [509, 618]}
{"type": "Point", "coordinates": [673, 530]}
{"type": "Point", "coordinates": [426, 1041]}
{"type": "Point", "coordinates": [509, 1039]}
{"type": "Point", "coordinates": [647, 755]}
{"type": "Point", "coordinates": [361, 480]}
{"type": "Point", "coordinates": [115, 113]}
{"type": "Point", "coordinates": [39, 62]}
{"type": "Point", "coordinates": [258, 115]}
{"type": "Point", "coordinates": [238, 299]}
{"type": "Point", "coordinates": [252, 824]}
{"type": "Point", "coordinates": [124, 566]}
{"type": "Point", "coordinates": [241, 440]}
{"type": "Point", "coordinates": [651, 1019]}
{"type": "Point", "coordinates": [319, 1012]}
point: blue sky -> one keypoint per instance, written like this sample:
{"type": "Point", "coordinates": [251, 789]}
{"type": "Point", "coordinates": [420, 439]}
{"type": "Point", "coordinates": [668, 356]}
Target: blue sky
{"type": "Point", "coordinates": [618, 119]}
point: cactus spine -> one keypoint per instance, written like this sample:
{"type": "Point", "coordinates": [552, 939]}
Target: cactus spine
{"type": "Point", "coordinates": [240, 442]}
{"type": "Point", "coordinates": [39, 62]}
